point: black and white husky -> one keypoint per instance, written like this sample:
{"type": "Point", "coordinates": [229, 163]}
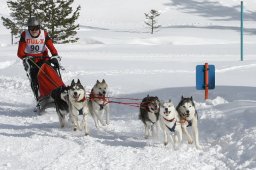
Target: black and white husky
{"type": "Point", "coordinates": [189, 117]}
{"type": "Point", "coordinates": [170, 123]}
{"type": "Point", "coordinates": [149, 114]}
{"type": "Point", "coordinates": [98, 103]}
{"type": "Point", "coordinates": [72, 100]}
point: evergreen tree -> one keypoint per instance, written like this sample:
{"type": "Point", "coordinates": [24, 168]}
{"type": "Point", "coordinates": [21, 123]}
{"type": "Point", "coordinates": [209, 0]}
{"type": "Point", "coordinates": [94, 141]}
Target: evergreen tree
{"type": "Point", "coordinates": [56, 16]}
{"type": "Point", "coordinates": [151, 20]}
{"type": "Point", "coordinates": [21, 10]}
{"type": "Point", "coordinates": [59, 19]}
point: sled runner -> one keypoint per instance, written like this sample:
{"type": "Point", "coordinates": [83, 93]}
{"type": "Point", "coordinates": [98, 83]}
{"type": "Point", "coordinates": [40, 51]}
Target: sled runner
{"type": "Point", "coordinates": [48, 80]}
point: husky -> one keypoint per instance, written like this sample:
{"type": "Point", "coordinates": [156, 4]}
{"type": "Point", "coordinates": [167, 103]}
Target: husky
{"type": "Point", "coordinates": [72, 100]}
{"type": "Point", "coordinates": [189, 117]}
{"type": "Point", "coordinates": [99, 104]}
{"type": "Point", "coordinates": [149, 114]}
{"type": "Point", "coordinates": [170, 123]}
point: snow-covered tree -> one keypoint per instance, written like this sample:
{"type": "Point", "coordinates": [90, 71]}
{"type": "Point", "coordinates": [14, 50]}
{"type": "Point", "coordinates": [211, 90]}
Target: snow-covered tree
{"type": "Point", "coordinates": [151, 20]}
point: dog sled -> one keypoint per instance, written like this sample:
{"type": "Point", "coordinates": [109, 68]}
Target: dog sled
{"type": "Point", "coordinates": [48, 80]}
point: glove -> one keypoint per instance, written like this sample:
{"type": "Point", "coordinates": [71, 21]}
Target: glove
{"type": "Point", "coordinates": [26, 62]}
{"type": "Point", "coordinates": [55, 60]}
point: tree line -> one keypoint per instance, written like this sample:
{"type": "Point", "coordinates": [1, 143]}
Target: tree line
{"type": "Point", "coordinates": [56, 16]}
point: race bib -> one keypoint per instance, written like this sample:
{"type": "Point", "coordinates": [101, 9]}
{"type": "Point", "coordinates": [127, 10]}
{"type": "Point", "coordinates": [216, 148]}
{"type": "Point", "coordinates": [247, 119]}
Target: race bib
{"type": "Point", "coordinates": [35, 45]}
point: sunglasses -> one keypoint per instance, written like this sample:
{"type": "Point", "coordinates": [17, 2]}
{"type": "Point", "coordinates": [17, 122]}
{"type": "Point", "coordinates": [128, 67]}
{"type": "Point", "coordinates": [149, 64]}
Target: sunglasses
{"type": "Point", "coordinates": [34, 28]}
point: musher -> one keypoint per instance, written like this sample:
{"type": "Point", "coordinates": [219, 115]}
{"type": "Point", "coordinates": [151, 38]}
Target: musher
{"type": "Point", "coordinates": [33, 50]}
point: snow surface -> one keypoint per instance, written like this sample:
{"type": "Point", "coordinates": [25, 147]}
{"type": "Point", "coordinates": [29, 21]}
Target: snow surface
{"type": "Point", "coordinates": [116, 45]}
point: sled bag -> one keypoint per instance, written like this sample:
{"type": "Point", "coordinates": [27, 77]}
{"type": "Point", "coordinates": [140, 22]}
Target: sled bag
{"type": "Point", "coordinates": [48, 80]}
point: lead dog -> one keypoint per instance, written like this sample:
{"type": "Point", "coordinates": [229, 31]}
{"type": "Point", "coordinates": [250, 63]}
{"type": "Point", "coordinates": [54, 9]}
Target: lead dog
{"type": "Point", "coordinates": [170, 123]}
{"type": "Point", "coordinates": [72, 100]}
{"type": "Point", "coordinates": [98, 103]}
{"type": "Point", "coordinates": [189, 117]}
{"type": "Point", "coordinates": [149, 114]}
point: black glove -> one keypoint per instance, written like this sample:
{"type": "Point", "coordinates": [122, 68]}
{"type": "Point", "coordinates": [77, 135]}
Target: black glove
{"type": "Point", "coordinates": [55, 61]}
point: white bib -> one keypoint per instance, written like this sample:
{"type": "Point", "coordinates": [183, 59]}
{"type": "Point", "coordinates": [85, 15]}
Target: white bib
{"type": "Point", "coordinates": [35, 45]}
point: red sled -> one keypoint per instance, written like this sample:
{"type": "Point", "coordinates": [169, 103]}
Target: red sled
{"type": "Point", "coordinates": [48, 80]}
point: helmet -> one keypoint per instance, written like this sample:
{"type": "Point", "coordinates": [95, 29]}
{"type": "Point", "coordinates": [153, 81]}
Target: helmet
{"type": "Point", "coordinates": [33, 21]}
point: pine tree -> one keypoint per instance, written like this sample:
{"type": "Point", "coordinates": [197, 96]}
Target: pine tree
{"type": "Point", "coordinates": [20, 11]}
{"type": "Point", "coordinates": [56, 16]}
{"type": "Point", "coordinates": [59, 19]}
{"type": "Point", "coordinates": [151, 20]}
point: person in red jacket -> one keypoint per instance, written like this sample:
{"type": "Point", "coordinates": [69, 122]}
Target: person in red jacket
{"type": "Point", "coordinates": [33, 50]}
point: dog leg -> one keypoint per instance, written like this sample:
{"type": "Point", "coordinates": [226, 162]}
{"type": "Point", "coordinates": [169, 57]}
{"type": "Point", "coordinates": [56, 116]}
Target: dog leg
{"type": "Point", "coordinates": [179, 133]}
{"type": "Point", "coordinates": [195, 133]}
{"type": "Point", "coordinates": [84, 122]}
{"type": "Point", "coordinates": [74, 119]}
{"type": "Point", "coordinates": [99, 116]}
{"type": "Point", "coordinates": [165, 136]}
{"type": "Point", "coordinates": [184, 128]}
{"type": "Point", "coordinates": [107, 114]}
{"type": "Point", "coordinates": [147, 130]}
{"type": "Point", "coordinates": [61, 118]}
{"type": "Point", "coordinates": [95, 119]}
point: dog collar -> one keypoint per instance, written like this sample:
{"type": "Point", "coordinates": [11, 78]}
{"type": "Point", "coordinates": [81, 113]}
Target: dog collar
{"type": "Point", "coordinates": [82, 100]}
{"type": "Point", "coordinates": [169, 120]}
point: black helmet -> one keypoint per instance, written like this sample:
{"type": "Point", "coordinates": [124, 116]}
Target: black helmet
{"type": "Point", "coordinates": [33, 21]}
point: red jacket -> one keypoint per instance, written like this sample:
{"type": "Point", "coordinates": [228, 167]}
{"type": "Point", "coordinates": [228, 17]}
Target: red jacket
{"type": "Point", "coordinates": [48, 42]}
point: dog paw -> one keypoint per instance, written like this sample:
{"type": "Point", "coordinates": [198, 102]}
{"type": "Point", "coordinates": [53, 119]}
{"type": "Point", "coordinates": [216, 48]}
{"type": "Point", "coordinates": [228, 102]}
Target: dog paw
{"type": "Point", "coordinates": [199, 147]}
{"type": "Point", "coordinates": [75, 129]}
{"type": "Point", "coordinates": [165, 143]}
{"type": "Point", "coordinates": [190, 141]}
{"type": "Point", "coordinates": [86, 134]}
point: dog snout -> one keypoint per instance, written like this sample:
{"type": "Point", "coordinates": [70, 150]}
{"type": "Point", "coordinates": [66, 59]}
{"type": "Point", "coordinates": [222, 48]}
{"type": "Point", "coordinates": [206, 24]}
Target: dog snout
{"type": "Point", "coordinates": [75, 93]}
{"type": "Point", "coordinates": [187, 111]}
{"type": "Point", "coordinates": [166, 110]}
{"type": "Point", "coordinates": [104, 92]}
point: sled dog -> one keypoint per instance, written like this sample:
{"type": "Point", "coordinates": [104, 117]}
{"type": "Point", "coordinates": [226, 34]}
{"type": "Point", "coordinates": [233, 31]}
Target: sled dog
{"type": "Point", "coordinates": [72, 100]}
{"type": "Point", "coordinates": [99, 104]}
{"type": "Point", "coordinates": [149, 114]}
{"type": "Point", "coordinates": [170, 123]}
{"type": "Point", "coordinates": [189, 117]}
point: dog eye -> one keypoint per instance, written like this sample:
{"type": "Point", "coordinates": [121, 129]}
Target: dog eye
{"type": "Point", "coordinates": [184, 106]}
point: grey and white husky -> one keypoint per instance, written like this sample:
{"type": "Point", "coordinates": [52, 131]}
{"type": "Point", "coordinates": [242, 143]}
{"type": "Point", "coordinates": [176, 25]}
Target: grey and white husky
{"type": "Point", "coordinates": [170, 123]}
{"type": "Point", "coordinates": [99, 104]}
{"type": "Point", "coordinates": [149, 114]}
{"type": "Point", "coordinates": [189, 117]}
{"type": "Point", "coordinates": [72, 100]}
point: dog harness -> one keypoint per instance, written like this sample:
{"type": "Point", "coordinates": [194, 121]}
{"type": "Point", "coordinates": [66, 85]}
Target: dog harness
{"type": "Point", "coordinates": [93, 97]}
{"type": "Point", "coordinates": [169, 126]}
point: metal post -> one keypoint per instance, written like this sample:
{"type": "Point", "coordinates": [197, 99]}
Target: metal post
{"type": "Point", "coordinates": [206, 80]}
{"type": "Point", "coordinates": [242, 31]}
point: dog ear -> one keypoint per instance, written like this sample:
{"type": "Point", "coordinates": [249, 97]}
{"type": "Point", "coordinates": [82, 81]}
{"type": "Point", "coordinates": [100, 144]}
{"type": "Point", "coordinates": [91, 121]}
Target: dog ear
{"type": "Point", "coordinates": [73, 82]}
{"type": "Point", "coordinates": [182, 97]}
{"type": "Point", "coordinates": [191, 98]}
{"type": "Point", "coordinates": [170, 100]}
{"type": "Point", "coordinates": [103, 81]}
{"type": "Point", "coordinates": [78, 81]}
{"type": "Point", "coordinates": [97, 81]}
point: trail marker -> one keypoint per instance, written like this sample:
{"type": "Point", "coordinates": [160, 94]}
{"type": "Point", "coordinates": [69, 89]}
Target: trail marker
{"type": "Point", "coordinates": [205, 78]}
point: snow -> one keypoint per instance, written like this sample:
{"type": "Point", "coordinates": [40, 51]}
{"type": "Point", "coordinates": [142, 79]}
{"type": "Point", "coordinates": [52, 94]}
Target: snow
{"type": "Point", "coordinates": [116, 46]}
